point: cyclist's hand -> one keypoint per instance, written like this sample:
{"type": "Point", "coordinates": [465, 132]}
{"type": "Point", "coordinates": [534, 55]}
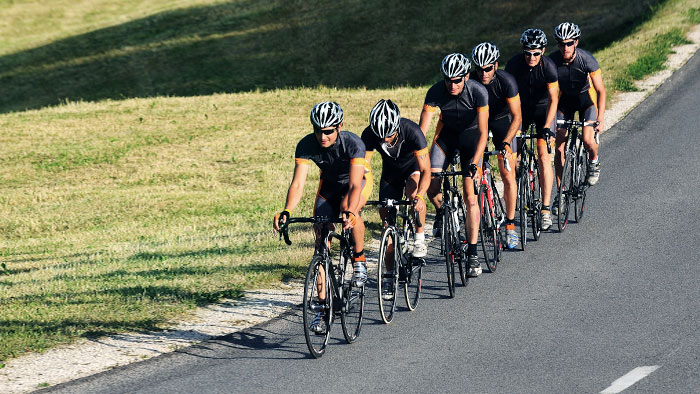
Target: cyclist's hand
{"type": "Point", "coordinates": [419, 203]}
{"type": "Point", "coordinates": [505, 151]}
{"type": "Point", "coordinates": [473, 170]}
{"type": "Point", "coordinates": [279, 219]}
{"type": "Point", "coordinates": [600, 127]}
{"type": "Point", "coordinates": [349, 220]}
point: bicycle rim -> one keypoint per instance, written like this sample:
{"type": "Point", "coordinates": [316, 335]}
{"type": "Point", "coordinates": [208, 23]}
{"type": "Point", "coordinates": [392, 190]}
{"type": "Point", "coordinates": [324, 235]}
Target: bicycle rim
{"type": "Point", "coordinates": [353, 307]}
{"type": "Point", "coordinates": [565, 191]}
{"type": "Point", "coordinates": [315, 342]}
{"type": "Point", "coordinates": [386, 278]}
{"type": "Point", "coordinates": [580, 182]}
{"type": "Point", "coordinates": [535, 203]}
{"type": "Point", "coordinates": [413, 282]}
{"type": "Point", "coordinates": [499, 213]}
{"type": "Point", "coordinates": [461, 240]}
{"type": "Point", "coordinates": [523, 206]}
{"type": "Point", "coordinates": [448, 242]}
{"type": "Point", "coordinates": [487, 230]}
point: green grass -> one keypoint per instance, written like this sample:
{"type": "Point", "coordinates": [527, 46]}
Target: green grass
{"type": "Point", "coordinates": [147, 145]}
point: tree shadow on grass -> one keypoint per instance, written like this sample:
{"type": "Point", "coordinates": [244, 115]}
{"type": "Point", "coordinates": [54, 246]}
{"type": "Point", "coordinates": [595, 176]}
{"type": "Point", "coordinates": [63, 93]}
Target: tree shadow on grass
{"type": "Point", "coordinates": [247, 45]}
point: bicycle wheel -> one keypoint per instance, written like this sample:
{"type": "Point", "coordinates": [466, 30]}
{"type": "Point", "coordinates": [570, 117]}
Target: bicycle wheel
{"type": "Point", "coordinates": [499, 213]}
{"type": "Point", "coordinates": [535, 200]}
{"type": "Point", "coordinates": [487, 230]}
{"type": "Point", "coordinates": [413, 277]}
{"type": "Point", "coordinates": [448, 247]}
{"type": "Point", "coordinates": [523, 204]}
{"type": "Point", "coordinates": [581, 183]}
{"type": "Point", "coordinates": [565, 192]}
{"type": "Point", "coordinates": [461, 240]}
{"type": "Point", "coordinates": [353, 302]}
{"type": "Point", "coordinates": [316, 342]}
{"type": "Point", "coordinates": [387, 279]}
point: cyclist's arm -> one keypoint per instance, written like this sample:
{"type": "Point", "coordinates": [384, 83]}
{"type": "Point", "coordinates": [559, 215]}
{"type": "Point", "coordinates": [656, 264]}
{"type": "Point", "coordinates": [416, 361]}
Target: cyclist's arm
{"type": "Point", "coordinates": [296, 187]}
{"type": "Point", "coordinates": [483, 121]}
{"type": "Point", "coordinates": [426, 116]}
{"type": "Point", "coordinates": [357, 173]}
{"type": "Point", "coordinates": [425, 175]}
{"type": "Point", "coordinates": [516, 114]}
{"type": "Point", "coordinates": [368, 156]}
{"type": "Point", "coordinates": [597, 79]}
{"type": "Point", "coordinates": [553, 90]}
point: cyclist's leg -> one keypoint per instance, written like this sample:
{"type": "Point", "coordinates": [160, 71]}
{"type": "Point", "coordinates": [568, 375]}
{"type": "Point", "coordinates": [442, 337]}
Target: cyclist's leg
{"type": "Point", "coordinates": [499, 128]}
{"type": "Point", "coordinates": [327, 202]}
{"type": "Point", "coordinates": [420, 248]}
{"type": "Point", "coordinates": [390, 190]}
{"type": "Point", "coordinates": [358, 231]}
{"type": "Point", "coordinates": [440, 156]}
{"type": "Point", "coordinates": [467, 147]}
{"type": "Point", "coordinates": [591, 114]}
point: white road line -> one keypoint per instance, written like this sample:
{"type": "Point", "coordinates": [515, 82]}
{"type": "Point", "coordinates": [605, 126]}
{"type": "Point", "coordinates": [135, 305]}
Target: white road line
{"type": "Point", "coordinates": [630, 378]}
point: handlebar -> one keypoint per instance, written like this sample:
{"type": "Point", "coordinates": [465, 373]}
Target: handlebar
{"type": "Point", "coordinates": [575, 123]}
{"type": "Point", "coordinates": [390, 202]}
{"type": "Point", "coordinates": [494, 153]}
{"type": "Point", "coordinates": [284, 226]}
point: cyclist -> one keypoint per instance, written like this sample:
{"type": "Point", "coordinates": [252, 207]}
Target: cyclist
{"type": "Point", "coordinates": [405, 162]}
{"type": "Point", "coordinates": [538, 85]}
{"type": "Point", "coordinates": [345, 185]}
{"type": "Point", "coordinates": [582, 90]}
{"type": "Point", "coordinates": [504, 122]}
{"type": "Point", "coordinates": [463, 125]}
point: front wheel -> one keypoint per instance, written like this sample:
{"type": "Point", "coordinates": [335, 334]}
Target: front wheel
{"type": "Point", "coordinates": [387, 278]}
{"type": "Point", "coordinates": [448, 242]}
{"type": "Point", "coordinates": [353, 302]}
{"type": "Point", "coordinates": [581, 182]}
{"type": "Point", "coordinates": [535, 201]}
{"type": "Point", "coordinates": [565, 191]}
{"type": "Point", "coordinates": [413, 281]}
{"type": "Point", "coordinates": [316, 279]}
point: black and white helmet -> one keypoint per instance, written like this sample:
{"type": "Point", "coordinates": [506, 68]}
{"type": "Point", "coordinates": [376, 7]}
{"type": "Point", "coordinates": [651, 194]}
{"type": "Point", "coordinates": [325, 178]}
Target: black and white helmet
{"type": "Point", "coordinates": [567, 31]}
{"type": "Point", "coordinates": [384, 118]}
{"type": "Point", "coordinates": [485, 53]}
{"type": "Point", "coordinates": [533, 39]}
{"type": "Point", "coordinates": [455, 65]}
{"type": "Point", "coordinates": [326, 114]}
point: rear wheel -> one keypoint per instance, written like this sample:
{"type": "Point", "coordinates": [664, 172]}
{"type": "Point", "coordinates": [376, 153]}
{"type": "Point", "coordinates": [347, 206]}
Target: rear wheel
{"type": "Point", "coordinates": [499, 213]}
{"type": "Point", "coordinates": [565, 192]}
{"type": "Point", "coordinates": [353, 302]}
{"type": "Point", "coordinates": [461, 240]}
{"type": "Point", "coordinates": [413, 281]}
{"type": "Point", "coordinates": [487, 230]}
{"type": "Point", "coordinates": [316, 342]}
{"type": "Point", "coordinates": [386, 275]}
{"type": "Point", "coordinates": [523, 204]}
{"type": "Point", "coordinates": [580, 181]}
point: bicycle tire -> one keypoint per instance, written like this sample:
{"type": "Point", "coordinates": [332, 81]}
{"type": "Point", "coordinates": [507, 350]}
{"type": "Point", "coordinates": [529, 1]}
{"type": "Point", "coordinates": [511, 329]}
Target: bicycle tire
{"type": "Point", "coordinates": [316, 343]}
{"type": "Point", "coordinates": [565, 191]}
{"type": "Point", "coordinates": [535, 203]}
{"type": "Point", "coordinates": [387, 306]}
{"type": "Point", "coordinates": [581, 182]}
{"type": "Point", "coordinates": [353, 302]}
{"type": "Point", "coordinates": [523, 204]}
{"type": "Point", "coordinates": [448, 243]}
{"type": "Point", "coordinates": [499, 213]}
{"type": "Point", "coordinates": [413, 281]}
{"type": "Point", "coordinates": [461, 231]}
{"type": "Point", "coordinates": [487, 230]}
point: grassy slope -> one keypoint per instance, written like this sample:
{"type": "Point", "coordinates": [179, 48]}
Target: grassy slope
{"type": "Point", "coordinates": [120, 213]}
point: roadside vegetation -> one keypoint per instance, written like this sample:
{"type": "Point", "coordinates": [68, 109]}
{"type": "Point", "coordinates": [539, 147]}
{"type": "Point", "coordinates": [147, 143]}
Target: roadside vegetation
{"type": "Point", "coordinates": [146, 145]}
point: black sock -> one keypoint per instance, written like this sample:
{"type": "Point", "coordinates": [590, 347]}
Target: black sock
{"type": "Point", "coordinates": [358, 254]}
{"type": "Point", "coordinates": [471, 250]}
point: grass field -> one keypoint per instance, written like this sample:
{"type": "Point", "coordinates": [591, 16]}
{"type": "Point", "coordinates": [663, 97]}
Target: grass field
{"type": "Point", "coordinates": [145, 146]}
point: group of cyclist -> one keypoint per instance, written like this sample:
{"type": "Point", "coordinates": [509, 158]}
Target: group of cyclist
{"type": "Point", "coordinates": [533, 89]}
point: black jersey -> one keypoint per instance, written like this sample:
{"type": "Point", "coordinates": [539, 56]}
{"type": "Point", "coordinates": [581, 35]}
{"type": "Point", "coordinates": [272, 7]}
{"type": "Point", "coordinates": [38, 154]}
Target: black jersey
{"type": "Point", "coordinates": [533, 82]}
{"type": "Point", "coordinates": [458, 112]}
{"type": "Point", "coordinates": [335, 161]}
{"type": "Point", "coordinates": [574, 78]}
{"type": "Point", "coordinates": [410, 143]}
{"type": "Point", "coordinates": [502, 90]}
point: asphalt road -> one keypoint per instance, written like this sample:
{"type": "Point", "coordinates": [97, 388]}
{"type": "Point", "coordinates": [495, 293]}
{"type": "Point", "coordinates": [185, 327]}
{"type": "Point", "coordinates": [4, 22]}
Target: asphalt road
{"type": "Point", "coordinates": [575, 313]}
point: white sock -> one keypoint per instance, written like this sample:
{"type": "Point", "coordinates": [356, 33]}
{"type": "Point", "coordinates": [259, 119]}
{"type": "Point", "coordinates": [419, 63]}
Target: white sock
{"type": "Point", "coordinates": [420, 236]}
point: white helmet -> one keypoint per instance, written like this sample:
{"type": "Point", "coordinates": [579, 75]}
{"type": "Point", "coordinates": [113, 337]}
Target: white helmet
{"type": "Point", "coordinates": [384, 118]}
{"type": "Point", "coordinates": [485, 53]}
{"type": "Point", "coordinates": [567, 31]}
{"type": "Point", "coordinates": [533, 39]}
{"type": "Point", "coordinates": [326, 114]}
{"type": "Point", "coordinates": [455, 65]}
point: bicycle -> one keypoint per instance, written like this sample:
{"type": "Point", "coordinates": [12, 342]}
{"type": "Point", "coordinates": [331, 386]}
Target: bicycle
{"type": "Point", "coordinates": [334, 271]}
{"type": "Point", "coordinates": [529, 193]}
{"type": "Point", "coordinates": [573, 183]}
{"type": "Point", "coordinates": [454, 229]}
{"type": "Point", "coordinates": [493, 215]}
{"type": "Point", "coordinates": [405, 269]}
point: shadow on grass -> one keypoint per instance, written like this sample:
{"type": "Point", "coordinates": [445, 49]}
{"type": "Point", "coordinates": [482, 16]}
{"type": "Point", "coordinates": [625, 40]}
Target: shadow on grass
{"type": "Point", "coordinates": [249, 45]}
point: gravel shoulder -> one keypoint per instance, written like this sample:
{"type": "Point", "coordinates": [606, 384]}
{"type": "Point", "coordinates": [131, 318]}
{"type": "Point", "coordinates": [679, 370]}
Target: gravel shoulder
{"type": "Point", "coordinates": [89, 356]}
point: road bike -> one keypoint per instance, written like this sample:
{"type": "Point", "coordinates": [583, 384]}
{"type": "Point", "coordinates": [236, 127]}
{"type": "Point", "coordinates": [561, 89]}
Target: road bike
{"type": "Point", "coordinates": [573, 183]}
{"type": "Point", "coordinates": [529, 194]}
{"type": "Point", "coordinates": [333, 270]}
{"type": "Point", "coordinates": [491, 227]}
{"type": "Point", "coordinates": [454, 229]}
{"type": "Point", "coordinates": [396, 265]}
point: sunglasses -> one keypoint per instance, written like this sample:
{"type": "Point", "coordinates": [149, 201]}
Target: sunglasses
{"type": "Point", "coordinates": [532, 54]}
{"type": "Point", "coordinates": [566, 44]}
{"type": "Point", "coordinates": [454, 81]}
{"type": "Point", "coordinates": [486, 69]}
{"type": "Point", "coordinates": [325, 132]}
